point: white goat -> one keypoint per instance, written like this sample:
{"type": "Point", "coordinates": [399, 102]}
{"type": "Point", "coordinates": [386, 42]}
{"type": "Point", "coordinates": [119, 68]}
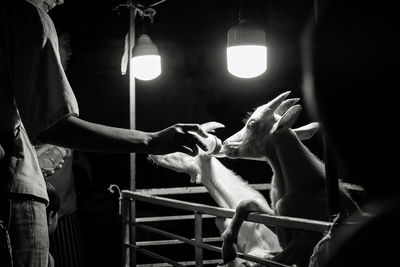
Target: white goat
{"type": "Point", "coordinates": [297, 186]}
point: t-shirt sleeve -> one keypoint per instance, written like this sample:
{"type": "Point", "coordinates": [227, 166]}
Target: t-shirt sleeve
{"type": "Point", "coordinates": [42, 91]}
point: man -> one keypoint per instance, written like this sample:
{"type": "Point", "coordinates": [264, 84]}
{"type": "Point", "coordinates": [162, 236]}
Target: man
{"type": "Point", "coordinates": [37, 103]}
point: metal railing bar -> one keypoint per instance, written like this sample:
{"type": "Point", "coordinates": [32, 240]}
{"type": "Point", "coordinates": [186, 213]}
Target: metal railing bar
{"type": "Point", "coordinates": [179, 204]}
{"type": "Point", "coordinates": [202, 189]}
{"type": "Point", "coordinates": [171, 218]}
{"type": "Point", "coordinates": [264, 262]}
{"type": "Point", "coordinates": [245, 256]}
{"type": "Point", "coordinates": [165, 233]}
{"type": "Point", "coordinates": [180, 238]}
{"type": "Point", "coordinates": [155, 255]}
{"type": "Point", "coordinates": [284, 221]}
{"type": "Point", "coordinates": [290, 222]}
{"type": "Point", "coordinates": [173, 242]}
{"type": "Point", "coordinates": [191, 189]}
{"type": "Point", "coordinates": [186, 263]}
{"type": "Point", "coordinates": [207, 246]}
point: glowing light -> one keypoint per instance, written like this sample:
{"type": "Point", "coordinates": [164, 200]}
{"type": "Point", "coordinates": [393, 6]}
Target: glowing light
{"type": "Point", "coordinates": [247, 61]}
{"type": "Point", "coordinates": [146, 67]}
{"type": "Point", "coordinates": [146, 61]}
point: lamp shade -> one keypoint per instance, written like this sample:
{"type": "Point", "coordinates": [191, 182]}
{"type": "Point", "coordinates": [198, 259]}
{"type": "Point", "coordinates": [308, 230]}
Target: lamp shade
{"type": "Point", "coordinates": [246, 50]}
{"type": "Point", "coordinates": [146, 61]}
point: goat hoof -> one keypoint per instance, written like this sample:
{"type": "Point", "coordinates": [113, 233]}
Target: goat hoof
{"type": "Point", "coordinates": [229, 252]}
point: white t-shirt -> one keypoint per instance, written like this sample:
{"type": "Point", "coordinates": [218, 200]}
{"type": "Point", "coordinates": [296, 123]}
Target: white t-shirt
{"type": "Point", "coordinates": [34, 90]}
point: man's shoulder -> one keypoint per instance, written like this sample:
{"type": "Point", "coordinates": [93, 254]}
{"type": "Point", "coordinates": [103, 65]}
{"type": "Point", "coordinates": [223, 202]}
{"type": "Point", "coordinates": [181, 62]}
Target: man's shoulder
{"type": "Point", "coordinates": [23, 8]}
{"type": "Point", "coordinates": [20, 12]}
{"type": "Point", "coordinates": [30, 12]}
{"type": "Point", "coordinates": [33, 21]}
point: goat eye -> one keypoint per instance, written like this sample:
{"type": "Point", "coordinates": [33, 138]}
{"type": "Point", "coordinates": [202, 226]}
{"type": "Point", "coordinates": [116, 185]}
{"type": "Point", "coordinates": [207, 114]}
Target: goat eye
{"type": "Point", "coordinates": [251, 125]}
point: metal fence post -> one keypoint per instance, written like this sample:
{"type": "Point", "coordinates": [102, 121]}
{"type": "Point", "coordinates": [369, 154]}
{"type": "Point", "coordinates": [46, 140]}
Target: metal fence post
{"type": "Point", "coordinates": [125, 224]}
{"type": "Point", "coordinates": [198, 235]}
{"type": "Point", "coordinates": [133, 230]}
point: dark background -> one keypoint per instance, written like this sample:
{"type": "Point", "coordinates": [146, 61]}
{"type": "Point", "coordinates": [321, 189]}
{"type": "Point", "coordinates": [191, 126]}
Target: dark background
{"type": "Point", "coordinates": [194, 86]}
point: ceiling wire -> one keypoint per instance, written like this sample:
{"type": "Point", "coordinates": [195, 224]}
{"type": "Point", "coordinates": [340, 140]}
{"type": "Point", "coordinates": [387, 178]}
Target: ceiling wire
{"type": "Point", "coordinates": [157, 3]}
{"type": "Point", "coordinates": [131, 3]}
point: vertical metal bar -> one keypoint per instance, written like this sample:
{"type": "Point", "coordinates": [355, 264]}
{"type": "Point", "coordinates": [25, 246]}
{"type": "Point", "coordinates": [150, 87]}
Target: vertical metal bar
{"type": "Point", "coordinates": [132, 91]}
{"type": "Point", "coordinates": [332, 183]}
{"type": "Point", "coordinates": [198, 236]}
{"type": "Point", "coordinates": [125, 218]}
{"type": "Point", "coordinates": [132, 124]}
{"type": "Point", "coordinates": [133, 230]}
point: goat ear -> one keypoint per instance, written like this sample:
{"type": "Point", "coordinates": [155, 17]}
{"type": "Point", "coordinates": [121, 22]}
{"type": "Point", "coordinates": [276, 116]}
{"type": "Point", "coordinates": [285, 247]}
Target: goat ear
{"type": "Point", "coordinates": [287, 120]}
{"type": "Point", "coordinates": [307, 131]}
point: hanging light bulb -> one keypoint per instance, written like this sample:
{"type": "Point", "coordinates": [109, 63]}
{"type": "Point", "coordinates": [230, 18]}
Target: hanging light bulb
{"type": "Point", "coordinates": [146, 61]}
{"type": "Point", "coordinates": [246, 50]}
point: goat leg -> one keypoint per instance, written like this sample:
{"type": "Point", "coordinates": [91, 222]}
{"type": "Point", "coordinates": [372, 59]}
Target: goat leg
{"type": "Point", "coordinates": [230, 235]}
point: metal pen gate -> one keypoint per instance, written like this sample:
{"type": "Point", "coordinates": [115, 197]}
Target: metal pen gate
{"type": "Point", "coordinates": [198, 213]}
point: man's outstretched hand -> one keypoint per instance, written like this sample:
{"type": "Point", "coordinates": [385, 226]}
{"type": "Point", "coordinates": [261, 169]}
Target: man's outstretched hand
{"type": "Point", "coordinates": [185, 138]}
{"type": "Point", "coordinates": [183, 163]}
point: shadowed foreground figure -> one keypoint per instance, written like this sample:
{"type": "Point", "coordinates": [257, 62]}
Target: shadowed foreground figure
{"type": "Point", "coordinates": [350, 79]}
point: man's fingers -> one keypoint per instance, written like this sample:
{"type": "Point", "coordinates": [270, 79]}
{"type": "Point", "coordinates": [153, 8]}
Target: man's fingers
{"type": "Point", "coordinates": [192, 139]}
{"type": "Point", "coordinates": [193, 128]}
{"type": "Point", "coordinates": [191, 151]}
{"type": "Point", "coordinates": [193, 135]}
{"type": "Point", "coordinates": [198, 141]}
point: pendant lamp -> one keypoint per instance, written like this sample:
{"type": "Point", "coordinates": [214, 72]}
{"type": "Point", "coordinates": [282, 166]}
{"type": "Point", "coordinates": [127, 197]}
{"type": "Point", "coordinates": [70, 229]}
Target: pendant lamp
{"type": "Point", "coordinates": [246, 50]}
{"type": "Point", "coordinates": [146, 61]}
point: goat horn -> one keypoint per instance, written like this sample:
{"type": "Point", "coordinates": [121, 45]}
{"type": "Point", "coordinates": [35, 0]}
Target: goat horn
{"type": "Point", "coordinates": [274, 104]}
